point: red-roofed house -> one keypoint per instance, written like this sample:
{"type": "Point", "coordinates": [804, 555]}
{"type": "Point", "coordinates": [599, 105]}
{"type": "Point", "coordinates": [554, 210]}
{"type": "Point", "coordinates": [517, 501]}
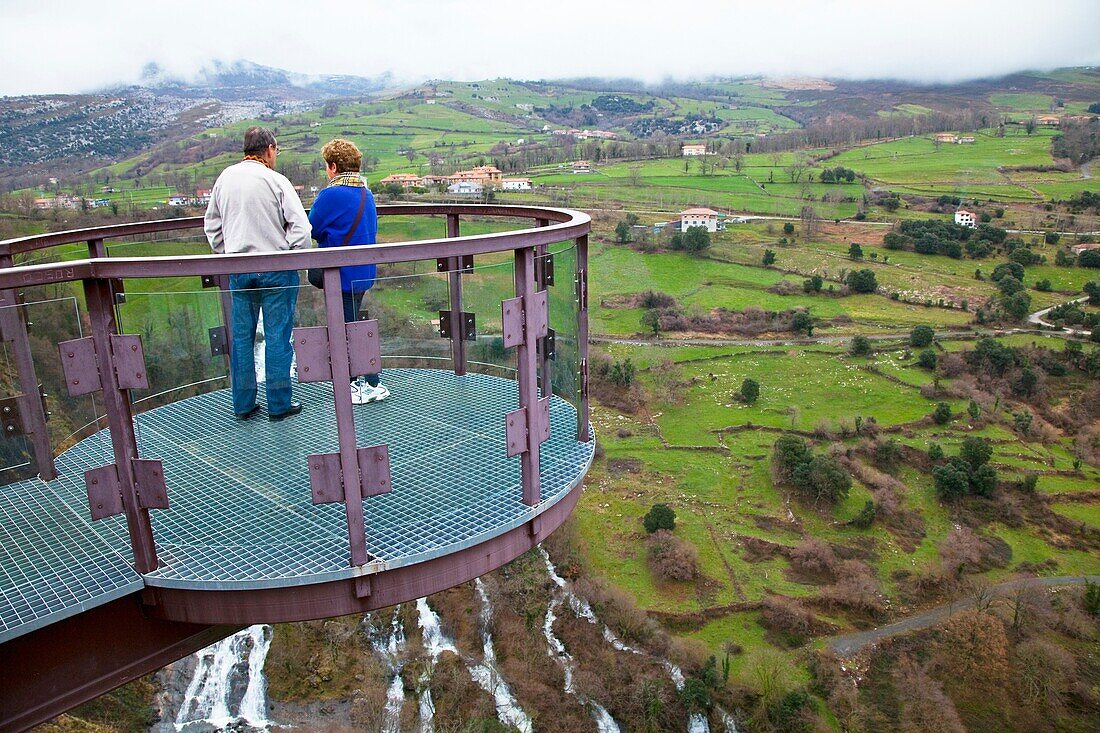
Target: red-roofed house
{"type": "Point", "coordinates": [699, 218]}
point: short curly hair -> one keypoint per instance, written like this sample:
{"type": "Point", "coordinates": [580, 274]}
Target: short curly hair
{"type": "Point", "coordinates": [343, 154]}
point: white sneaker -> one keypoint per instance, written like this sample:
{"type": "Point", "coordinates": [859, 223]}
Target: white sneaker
{"type": "Point", "coordinates": [375, 394]}
{"type": "Point", "coordinates": [359, 392]}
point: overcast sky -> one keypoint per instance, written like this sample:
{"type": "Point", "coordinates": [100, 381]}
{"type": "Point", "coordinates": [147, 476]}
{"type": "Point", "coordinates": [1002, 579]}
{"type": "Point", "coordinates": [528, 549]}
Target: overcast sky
{"type": "Point", "coordinates": [76, 45]}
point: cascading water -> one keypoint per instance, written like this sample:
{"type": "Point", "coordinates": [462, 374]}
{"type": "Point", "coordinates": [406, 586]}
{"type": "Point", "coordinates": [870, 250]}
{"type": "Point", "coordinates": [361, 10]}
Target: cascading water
{"type": "Point", "coordinates": [220, 671]}
{"type": "Point", "coordinates": [391, 648]}
{"type": "Point", "coordinates": [697, 723]}
{"type": "Point", "coordinates": [485, 674]}
{"type": "Point", "coordinates": [435, 642]}
{"type": "Point", "coordinates": [604, 722]}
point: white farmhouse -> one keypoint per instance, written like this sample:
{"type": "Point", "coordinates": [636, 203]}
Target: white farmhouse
{"type": "Point", "coordinates": [466, 188]}
{"type": "Point", "coordinates": [693, 149]}
{"type": "Point", "coordinates": [699, 218]}
{"type": "Point", "coordinates": [516, 184]}
{"type": "Point", "coordinates": [966, 218]}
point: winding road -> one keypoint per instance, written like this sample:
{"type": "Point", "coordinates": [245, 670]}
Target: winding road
{"type": "Point", "coordinates": [849, 644]}
{"type": "Point", "coordinates": [1037, 319]}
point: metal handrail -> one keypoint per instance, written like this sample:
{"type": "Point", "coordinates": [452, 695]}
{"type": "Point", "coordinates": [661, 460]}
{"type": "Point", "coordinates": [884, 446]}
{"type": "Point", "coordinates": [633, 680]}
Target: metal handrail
{"type": "Point", "coordinates": [527, 426]}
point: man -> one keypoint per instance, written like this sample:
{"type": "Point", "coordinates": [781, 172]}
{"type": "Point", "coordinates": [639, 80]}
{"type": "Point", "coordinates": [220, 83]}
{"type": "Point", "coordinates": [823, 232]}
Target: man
{"type": "Point", "coordinates": [254, 209]}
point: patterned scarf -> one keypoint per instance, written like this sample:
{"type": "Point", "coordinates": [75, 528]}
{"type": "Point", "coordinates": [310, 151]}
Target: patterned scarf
{"type": "Point", "coordinates": [256, 158]}
{"type": "Point", "coordinates": [350, 178]}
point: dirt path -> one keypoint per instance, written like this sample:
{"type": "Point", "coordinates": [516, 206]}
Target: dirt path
{"type": "Point", "coordinates": [849, 644]}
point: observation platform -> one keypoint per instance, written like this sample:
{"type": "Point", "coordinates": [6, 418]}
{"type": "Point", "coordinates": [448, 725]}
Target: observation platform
{"type": "Point", "coordinates": [241, 515]}
{"type": "Point", "coordinates": [158, 523]}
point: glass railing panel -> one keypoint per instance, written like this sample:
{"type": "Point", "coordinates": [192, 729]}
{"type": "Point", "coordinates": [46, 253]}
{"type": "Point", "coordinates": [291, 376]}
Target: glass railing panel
{"type": "Point", "coordinates": [52, 315]}
{"type": "Point", "coordinates": [563, 307]}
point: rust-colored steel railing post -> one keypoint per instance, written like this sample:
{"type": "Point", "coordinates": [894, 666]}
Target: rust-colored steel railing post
{"type": "Point", "coordinates": [458, 323]}
{"type": "Point", "coordinates": [526, 376]}
{"type": "Point", "coordinates": [582, 336]}
{"type": "Point", "coordinates": [345, 419]}
{"type": "Point", "coordinates": [120, 422]}
{"type": "Point", "coordinates": [543, 356]}
{"type": "Point", "coordinates": [32, 410]}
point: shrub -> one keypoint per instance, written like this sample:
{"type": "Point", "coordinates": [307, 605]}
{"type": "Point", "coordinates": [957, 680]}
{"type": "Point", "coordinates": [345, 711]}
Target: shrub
{"type": "Point", "coordinates": [750, 390]}
{"type": "Point", "coordinates": [788, 453]}
{"type": "Point", "coordinates": [942, 414]}
{"type": "Point", "coordinates": [855, 251]}
{"type": "Point", "coordinates": [935, 452]}
{"type": "Point", "coordinates": [1043, 286]}
{"type": "Point", "coordinates": [860, 346]}
{"type": "Point", "coordinates": [921, 336]}
{"type": "Point", "coordinates": [862, 281]}
{"type": "Point", "coordinates": [1015, 269]}
{"type": "Point", "coordinates": [669, 557]}
{"type": "Point", "coordinates": [813, 284]}
{"type": "Point", "coordinates": [975, 451]}
{"type": "Point", "coordinates": [823, 479]}
{"type": "Point", "coordinates": [788, 618]}
{"type": "Point", "coordinates": [951, 482]}
{"type": "Point", "coordinates": [927, 359]}
{"type": "Point", "coordinates": [814, 558]}
{"type": "Point", "coordinates": [887, 454]}
{"type": "Point", "coordinates": [660, 516]}
{"type": "Point", "coordinates": [866, 516]}
{"type": "Point", "coordinates": [1052, 237]}
{"type": "Point", "coordinates": [788, 228]}
{"type": "Point", "coordinates": [1089, 258]}
{"type": "Point", "coordinates": [769, 258]}
{"type": "Point", "coordinates": [802, 322]}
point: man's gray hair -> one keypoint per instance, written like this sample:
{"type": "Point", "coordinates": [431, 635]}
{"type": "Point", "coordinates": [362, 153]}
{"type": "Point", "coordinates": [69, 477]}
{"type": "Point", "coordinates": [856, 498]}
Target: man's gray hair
{"type": "Point", "coordinates": [257, 140]}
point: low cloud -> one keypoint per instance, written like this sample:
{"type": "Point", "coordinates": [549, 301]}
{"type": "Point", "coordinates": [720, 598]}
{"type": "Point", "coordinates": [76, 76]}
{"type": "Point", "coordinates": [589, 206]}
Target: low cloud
{"type": "Point", "coordinates": [68, 46]}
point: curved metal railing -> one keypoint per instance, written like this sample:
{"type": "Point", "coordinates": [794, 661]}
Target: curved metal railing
{"type": "Point", "coordinates": [111, 363]}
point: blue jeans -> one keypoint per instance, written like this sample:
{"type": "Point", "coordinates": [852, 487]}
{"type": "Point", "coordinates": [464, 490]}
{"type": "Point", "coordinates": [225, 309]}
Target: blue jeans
{"type": "Point", "coordinates": [353, 300]}
{"type": "Point", "coordinates": [275, 294]}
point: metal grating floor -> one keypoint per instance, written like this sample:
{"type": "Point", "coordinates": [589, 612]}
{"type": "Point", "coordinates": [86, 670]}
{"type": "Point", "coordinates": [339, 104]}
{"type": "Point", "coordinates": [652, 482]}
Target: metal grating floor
{"type": "Point", "coordinates": [241, 515]}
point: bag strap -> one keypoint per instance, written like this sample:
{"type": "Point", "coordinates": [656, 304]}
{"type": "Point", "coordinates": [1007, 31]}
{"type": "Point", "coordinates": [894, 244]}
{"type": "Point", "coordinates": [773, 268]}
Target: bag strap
{"type": "Point", "coordinates": [358, 216]}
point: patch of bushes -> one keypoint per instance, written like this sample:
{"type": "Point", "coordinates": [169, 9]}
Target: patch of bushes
{"type": "Point", "coordinates": [669, 557]}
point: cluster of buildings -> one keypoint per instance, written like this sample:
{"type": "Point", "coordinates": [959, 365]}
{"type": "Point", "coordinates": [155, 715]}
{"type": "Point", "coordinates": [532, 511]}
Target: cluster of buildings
{"type": "Point", "coordinates": [587, 134]}
{"type": "Point", "coordinates": [465, 183]}
{"type": "Point", "coordinates": [950, 137]}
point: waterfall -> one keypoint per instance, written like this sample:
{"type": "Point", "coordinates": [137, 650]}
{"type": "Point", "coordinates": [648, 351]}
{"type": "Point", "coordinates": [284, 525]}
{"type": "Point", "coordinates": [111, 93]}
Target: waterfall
{"type": "Point", "coordinates": [604, 722]}
{"type": "Point", "coordinates": [486, 675]}
{"type": "Point", "coordinates": [391, 648]}
{"type": "Point", "coordinates": [220, 671]}
{"type": "Point", "coordinates": [435, 642]}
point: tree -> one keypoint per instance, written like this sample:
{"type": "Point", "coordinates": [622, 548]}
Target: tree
{"type": "Point", "coordinates": [659, 516]}
{"type": "Point", "coordinates": [1089, 258]}
{"type": "Point", "coordinates": [921, 336]}
{"type": "Point", "coordinates": [622, 233]}
{"type": "Point", "coordinates": [855, 251]}
{"type": "Point", "coordinates": [952, 482]}
{"type": "Point", "coordinates": [935, 452]}
{"type": "Point", "coordinates": [696, 239]}
{"type": "Point", "coordinates": [1092, 289]}
{"type": "Point", "coordinates": [788, 228]}
{"type": "Point", "coordinates": [975, 452]}
{"type": "Point", "coordinates": [1052, 237]}
{"type": "Point", "coordinates": [1017, 306]}
{"type": "Point", "coordinates": [974, 410]}
{"type": "Point", "coordinates": [802, 322]}
{"type": "Point", "coordinates": [942, 414]}
{"type": "Point", "coordinates": [1015, 269]}
{"type": "Point", "coordinates": [651, 321]}
{"type": "Point", "coordinates": [812, 284]}
{"type": "Point", "coordinates": [769, 258]}
{"type": "Point", "coordinates": [862, 281]}
{"type": "Point", "coordinates": [824, 479]}
{"type": "Point", "coordinates": [750, 390]}
{"type": "Point", "coordinates": [927, 359]}
{"type": "Point", "coordinates": [1009, 285]}
{"type": "Point", "coordinates": [788, 453]}
{"type": "Point", "coordinates": [860, 346]}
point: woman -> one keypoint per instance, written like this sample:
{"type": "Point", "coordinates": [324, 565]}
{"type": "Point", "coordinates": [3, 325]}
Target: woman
{"type": "Point", "coordinates": [338, 206]}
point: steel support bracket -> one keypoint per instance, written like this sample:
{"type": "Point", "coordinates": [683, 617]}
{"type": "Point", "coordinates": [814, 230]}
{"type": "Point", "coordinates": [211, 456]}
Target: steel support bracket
{"type": "Point", "coordinates": [584, 377]}
{"type": "Point", "coordinates": [104, 491]}
{"type": "Point", "coordinates": [151, 489]}
{"type": "Point", "coordinates": [582, 289]}
{"type": "Point", "coordinates": [311, 351]}
{"type": "Point", "coordinates": [364, 347]}
{"type": "Point", "coordinates": [209, 281]}
{"type": "Point", "coordinates": [129, 358]}
{"type": "Point", "coordinates": [520, 324]}
{"type": "Point", "coordinates": [11, 420]}
{"type": "Point", "coordinates": [79, 366]}
{"type": "Point", "coordinates": [118, 290]}
{"type": "Point", "coordinates": [374, 469]}
{"type": "Point", "coordinates": [327, 482]}
{"type": "Point", "coordinates": [520, 424]}
{"type": "Point", "coordinates": [465, 264]}
{"type": "Point", "coordinates": [447, 325]}
{"type": "Point", "coordinates": [219, 343]}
